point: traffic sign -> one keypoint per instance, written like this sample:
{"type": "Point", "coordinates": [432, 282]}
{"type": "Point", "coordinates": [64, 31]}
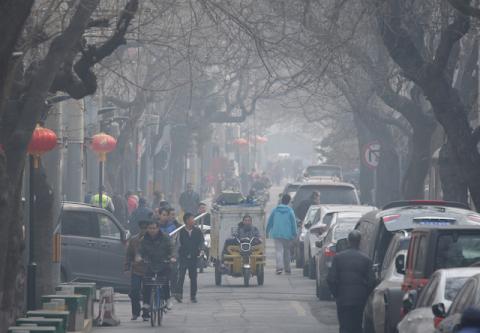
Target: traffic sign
{"type": "Point", "coordinates": [371, 154]}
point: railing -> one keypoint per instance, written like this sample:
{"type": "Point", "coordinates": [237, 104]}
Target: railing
{"type": "Point", "coordinates": [183, 226]}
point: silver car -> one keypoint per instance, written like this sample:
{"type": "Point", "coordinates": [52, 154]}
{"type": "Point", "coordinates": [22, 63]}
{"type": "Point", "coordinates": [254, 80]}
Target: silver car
{"type": "Point", "coordinates": [442, 288]}
{"type": "Point", "coordinates": [93, 246]}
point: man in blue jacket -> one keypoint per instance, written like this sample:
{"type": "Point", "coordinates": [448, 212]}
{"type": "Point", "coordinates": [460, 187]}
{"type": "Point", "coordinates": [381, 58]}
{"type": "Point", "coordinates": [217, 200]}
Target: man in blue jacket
{"type": "Point", "coordinates": [282, 228]}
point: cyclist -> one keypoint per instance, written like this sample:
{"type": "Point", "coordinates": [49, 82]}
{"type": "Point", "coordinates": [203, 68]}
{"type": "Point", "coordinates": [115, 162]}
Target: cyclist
{"type": "Point", "coordinates": [157, 251]}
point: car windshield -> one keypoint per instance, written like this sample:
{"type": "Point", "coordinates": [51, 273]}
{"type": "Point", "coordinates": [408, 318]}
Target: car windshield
{"type": "Point", "coordinates": [328, 194]}
{"type": "Point", "coordinates": [342, 230]}
{"type": "Point", "coordinates": [453, 285]}
{"type": "Point", "coordinates": [323, 171]}
{"type": "Point", "coordinates": [457, 250]}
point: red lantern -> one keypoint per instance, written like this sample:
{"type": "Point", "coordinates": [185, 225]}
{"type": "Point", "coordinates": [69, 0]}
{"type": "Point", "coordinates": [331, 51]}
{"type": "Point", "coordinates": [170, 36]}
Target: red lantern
{"type": "Point", "coordinates": [43, 140]}
{"type": "Point", "coordinates": [240, 142]}
{"type": "Point", "coordinates": [261, 139]}
{"type": "Point", "coordinates": [102, 144]}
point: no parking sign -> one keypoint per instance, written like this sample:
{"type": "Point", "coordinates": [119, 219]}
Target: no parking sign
{"type": "Point", "coordinates": [371, 154]}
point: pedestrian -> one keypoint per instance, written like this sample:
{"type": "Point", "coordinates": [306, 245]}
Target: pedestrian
{"type": "Point", "coordinates": [202, 209]}
{"type": "Point", "coordinates": [302, 208]}
{"type": "Point", "coordinates": [157, 251]}
{"type": "Point", "coordinates": [191, 243]}
{"type": "Point", "coordinates": [132, 202]}
{"type": "Point", "coordinates": [135, 266]}
{"type": "Point", "coordinates": [470, 321]}
{"type": "Point", "coordinates": [282, 228]}
{"type": "Point", "coordinates": [121, 209]}
{"type": "Point", "coordinates": [351, 280]}
{"type": "Point", "coordinates": [172, 215]}
{"type": "Point", "coordinates": [107, 202]}
{"type": "Point", "coordinates": [189, 200]}
{"type": "Point", "coordinates": [140, 214]}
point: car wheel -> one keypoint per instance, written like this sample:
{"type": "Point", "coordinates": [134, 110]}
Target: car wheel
{"type": "Point", "coordinates": [305, 269]}
{"type": "Point", "coordinates": [299, 261]}
{"type": "Point", "coordinates": [312, 272]}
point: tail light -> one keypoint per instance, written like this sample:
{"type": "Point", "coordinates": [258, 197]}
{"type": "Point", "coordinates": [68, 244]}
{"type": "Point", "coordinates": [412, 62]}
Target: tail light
{"type": "Point", "coordinates": [329, 251]}
{"type": "Point", "coordinates": [474, 218]}
{"type": "Point", "coordinates": [390, 218]}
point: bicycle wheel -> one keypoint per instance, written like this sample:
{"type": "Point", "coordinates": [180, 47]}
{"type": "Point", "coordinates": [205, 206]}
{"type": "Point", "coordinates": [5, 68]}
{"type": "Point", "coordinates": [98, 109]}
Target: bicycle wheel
{"type": "Point", "coordinates": [153, 307]}
{"type": "Point", "coordinates": [161, 307]}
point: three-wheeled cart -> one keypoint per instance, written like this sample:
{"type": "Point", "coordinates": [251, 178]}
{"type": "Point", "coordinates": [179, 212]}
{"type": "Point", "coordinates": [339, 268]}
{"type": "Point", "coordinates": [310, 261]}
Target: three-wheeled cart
{"type": "Point", "coordinates": [235, 262]}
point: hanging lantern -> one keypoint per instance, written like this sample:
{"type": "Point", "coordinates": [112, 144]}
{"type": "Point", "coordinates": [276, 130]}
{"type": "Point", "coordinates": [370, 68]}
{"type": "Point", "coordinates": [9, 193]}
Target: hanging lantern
{"type": "Point", "coordinates": [43, 140]}
{"type": "Point", "coordinates": [261, 139]}
{"type": "Point", "coordinates": [240, 142]}
{"type": "Point", "coordinates": [102, 144]}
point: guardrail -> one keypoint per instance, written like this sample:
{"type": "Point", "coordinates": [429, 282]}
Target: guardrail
{"type": "Point", "coordinates": [183, 226]}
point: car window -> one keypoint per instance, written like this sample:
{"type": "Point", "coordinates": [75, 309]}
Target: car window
{"type": "Point", "coordinates": [464, 297]}
{"type": "Point", "coordinates": [457, 250]}
{"type": "Point", "coordinates": [389, 256]}
{"type": "Point", "coordinates": [328, 194]}
{"type": "Point", "coordinates": [82, 224]}
{"type": "Point", "coordinates": [420, 256]}
{"type": "Point", "coordinates": [367, 241]}
{"type": "Point", "coordinates": [342, 230]}
{"type": "Point", "coordinates": [311, 214]}
{"type": "Point", "coordinates": [428, 293]}
{"type": "Point", "coordinates": [327, 219]}
{"type": "Point", "coordinates": [108, 228]}
{"type": "Point", "coordinates": [453, 285]}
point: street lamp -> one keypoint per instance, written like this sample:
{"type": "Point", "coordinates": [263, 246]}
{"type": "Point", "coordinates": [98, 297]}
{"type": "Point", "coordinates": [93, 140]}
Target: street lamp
{"type": "Point", "coordinates": [102, 144]}
{"type": "Point", "coordinates": [43, 140]}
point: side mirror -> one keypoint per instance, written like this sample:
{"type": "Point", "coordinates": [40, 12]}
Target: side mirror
{"type": "Point", "coordinates": [400, 264]}
{"type": "Point", "coordinates": [319, 244]}
{"type": "Point", "coordinates": [409, 301]}
{"type": "Point", "coordinates": [439, 310]}
{"type": "Point", "coordinates": [342, 244]}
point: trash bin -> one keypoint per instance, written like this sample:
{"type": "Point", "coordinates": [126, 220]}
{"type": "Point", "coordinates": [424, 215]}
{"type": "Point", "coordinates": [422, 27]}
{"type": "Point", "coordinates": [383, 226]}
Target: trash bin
{"type": "Point", "coordinates": [31, 329]}
{"type": "Point", "coordinates": [64, 315]}
{"type": "Point", "coordinates": [83, 288]}
{"type": "Point", "coordinates": [42, 321]}
{"type": "Point", "coordinates": [75, 305]}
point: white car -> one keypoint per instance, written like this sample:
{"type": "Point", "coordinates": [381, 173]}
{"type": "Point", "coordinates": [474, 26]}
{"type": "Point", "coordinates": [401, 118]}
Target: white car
{"type": "Point", "coordinates": [308, 221]}
{"type": "Point", "coordinates": [324, 218]}
{"type": "Point", "coordinates": [442, 288]}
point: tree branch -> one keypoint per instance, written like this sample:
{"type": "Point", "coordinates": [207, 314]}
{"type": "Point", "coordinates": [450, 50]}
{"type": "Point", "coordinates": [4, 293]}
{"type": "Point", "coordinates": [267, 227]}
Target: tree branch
{"type": "Point", "coordinates": [464, 7]}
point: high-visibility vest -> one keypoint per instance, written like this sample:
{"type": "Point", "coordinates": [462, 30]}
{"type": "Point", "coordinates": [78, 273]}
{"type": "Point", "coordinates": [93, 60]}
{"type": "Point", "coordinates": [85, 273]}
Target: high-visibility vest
{"type": "Point", "coordinates": [105, 200]}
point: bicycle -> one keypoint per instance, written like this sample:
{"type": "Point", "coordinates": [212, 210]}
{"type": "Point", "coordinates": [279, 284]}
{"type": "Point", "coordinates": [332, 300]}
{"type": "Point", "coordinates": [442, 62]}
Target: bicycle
{"type": "Point", "coordinates": [158, 304]}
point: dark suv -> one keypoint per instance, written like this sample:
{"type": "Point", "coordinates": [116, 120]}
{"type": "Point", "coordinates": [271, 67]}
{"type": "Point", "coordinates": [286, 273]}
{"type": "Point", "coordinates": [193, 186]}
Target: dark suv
{"type": "Point", "coordinates": [93, 246]}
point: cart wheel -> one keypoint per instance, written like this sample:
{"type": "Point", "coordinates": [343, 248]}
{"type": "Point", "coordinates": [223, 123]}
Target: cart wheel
{"type": "Point", "coordinates": [260, 275]}
{"type": "Point", "coordinates": [246, 277]}
{"type": "Point", "coordinates": [218, 274]}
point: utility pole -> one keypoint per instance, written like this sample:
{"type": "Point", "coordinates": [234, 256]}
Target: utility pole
{"type": "Point", "coordinates": [75, 136]}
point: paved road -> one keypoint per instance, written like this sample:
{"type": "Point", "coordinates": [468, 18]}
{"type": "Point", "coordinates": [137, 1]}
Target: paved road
{"type": "Point", "coordinates": [283, 304]}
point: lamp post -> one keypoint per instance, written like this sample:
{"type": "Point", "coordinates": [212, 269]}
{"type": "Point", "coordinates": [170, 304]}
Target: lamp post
{"type": "Point", "coordinates": [42, 141]}
{"type": "Point", "coordinates": [102, 144]}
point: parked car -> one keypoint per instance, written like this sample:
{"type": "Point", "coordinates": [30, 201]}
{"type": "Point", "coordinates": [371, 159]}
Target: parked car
{"type": "Point", "coordinates": [93, 246]}
{"type": "Point", "coordinates": [386, 299]}
{"type": "Point", "coordinates": [307, 223]}
{"type": "Point", "coordinates": [328, 249]}
{"type": "Point", "coordinates": [433, 248]}
{"type": "Point", "coordinates": [290, 189]}
{"type": "Point", "coordinates": [323, 171]}
{"type": "Point", "coordinates": [468, 296]}
{"type": "Point", "coordinates": [379, 227]}
{"type": "Point", "coordinates": [442, 288]}
{"type": "Point", "coordinates": [327, 216]}
{"type": "Point", "coordinates": [331, 192]}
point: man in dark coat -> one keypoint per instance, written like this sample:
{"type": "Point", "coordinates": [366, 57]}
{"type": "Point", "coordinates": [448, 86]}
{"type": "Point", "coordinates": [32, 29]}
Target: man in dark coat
{"type": "Point", "coordinates": [302, 208]}
{"type": "Point", "coordinates": [191, 242]}
{"type": "Point", "coordinates": [351, 280]}
{"type": "Point", "coordinates": [189, 200]}
{"type": "Point", "coordinates": [157, 251]}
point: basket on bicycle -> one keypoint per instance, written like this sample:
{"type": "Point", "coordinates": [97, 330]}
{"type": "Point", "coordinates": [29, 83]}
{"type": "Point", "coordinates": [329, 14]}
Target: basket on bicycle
{"type": "Point", "coordinates": [156, 280]}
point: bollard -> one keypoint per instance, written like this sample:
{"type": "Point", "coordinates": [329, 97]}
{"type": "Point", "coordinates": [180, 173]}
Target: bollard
{"type": "Point", "coordinates": [106, 310]}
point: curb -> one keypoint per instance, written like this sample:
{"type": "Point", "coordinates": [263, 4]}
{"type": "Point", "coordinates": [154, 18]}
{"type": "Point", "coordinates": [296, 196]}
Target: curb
{"type": "Point", "coordinates": [87, 327]}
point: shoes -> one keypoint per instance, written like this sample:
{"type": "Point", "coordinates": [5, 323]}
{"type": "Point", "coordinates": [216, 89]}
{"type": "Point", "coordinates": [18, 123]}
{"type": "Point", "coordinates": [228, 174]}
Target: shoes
{"type": "Point", "coordinates": [178, 298]}
{"type": "Point", "coordinates": [134, 317]}
{"type": "Point", "coordinates": [194, 300]}
{"type": "Point", "coordinates": [169, 304]}
{"type": "Point", "coordinates": [279, 271]}
{"type": "Point", "coordinates": [145, 318]}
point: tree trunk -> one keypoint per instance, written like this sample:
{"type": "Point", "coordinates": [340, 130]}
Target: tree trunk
{"type": "Point", "coordinates": [419, 164]}
{"type": "Point", "coordinates": [387, 173]}
{"type": "Point", "coordinates": [454, 187]}
{"type": "Point", "coordinates": [366, 174]}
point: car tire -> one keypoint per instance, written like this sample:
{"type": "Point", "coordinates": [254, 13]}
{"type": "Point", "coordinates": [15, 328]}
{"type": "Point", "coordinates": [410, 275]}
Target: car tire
{"type": "Point", "coordinates": [305, 270]}
{"type": "Point", "coordinates": [312, 272]}
{"type": "Point", "coordinates": [299, 260]}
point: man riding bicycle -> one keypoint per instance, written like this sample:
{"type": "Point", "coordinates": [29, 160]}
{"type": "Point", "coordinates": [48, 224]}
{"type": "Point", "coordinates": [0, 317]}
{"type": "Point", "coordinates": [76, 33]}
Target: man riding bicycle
{"type": "Point", "coordinates": [157, 252]}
